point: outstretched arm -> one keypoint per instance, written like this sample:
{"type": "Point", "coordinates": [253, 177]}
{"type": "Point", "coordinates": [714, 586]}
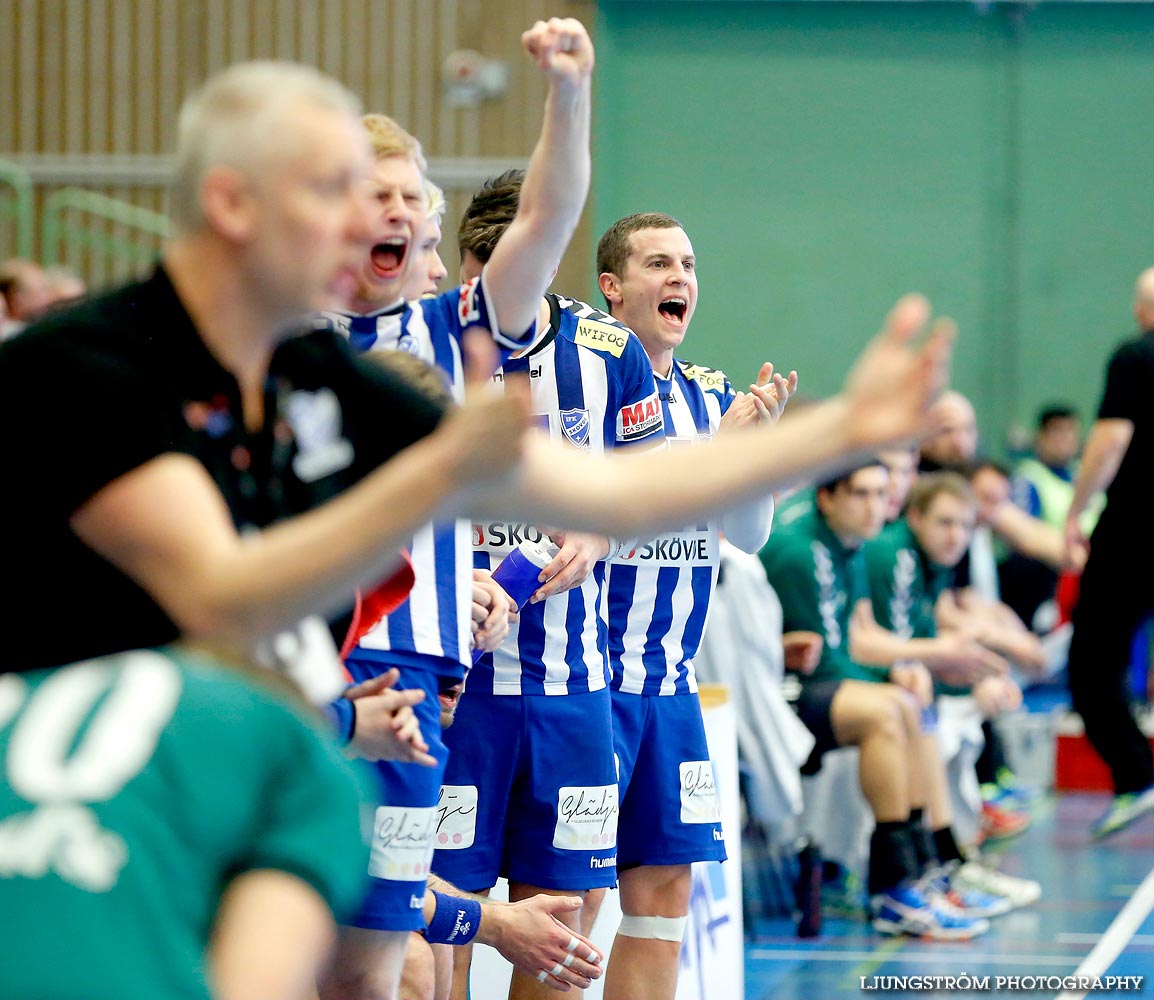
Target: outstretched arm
{"type": "Point", "coordinates": [557, 179]}
{"type": "Point", "coordinates": [165, 525]}
{"type": "Point", "coordinates": [628, 497]}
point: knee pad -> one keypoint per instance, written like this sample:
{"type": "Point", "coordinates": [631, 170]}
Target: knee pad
{"type": "Point", "coordinates": [658, 928]}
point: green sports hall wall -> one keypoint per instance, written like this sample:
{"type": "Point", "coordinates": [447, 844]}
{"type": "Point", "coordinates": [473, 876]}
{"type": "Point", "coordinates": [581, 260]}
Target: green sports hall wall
{"type": "Point", "coordinates": [826, 157]}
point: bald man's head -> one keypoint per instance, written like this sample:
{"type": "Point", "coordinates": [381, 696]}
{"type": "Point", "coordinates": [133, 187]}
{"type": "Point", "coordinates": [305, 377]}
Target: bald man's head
{"type": "Point", "coordinates": [1144, 299]}
{"type": "Point", "coordinates": [954, 441]}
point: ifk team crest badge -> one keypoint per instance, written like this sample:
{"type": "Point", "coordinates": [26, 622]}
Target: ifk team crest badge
{"type": "Point", "coordinates": [575, 427]}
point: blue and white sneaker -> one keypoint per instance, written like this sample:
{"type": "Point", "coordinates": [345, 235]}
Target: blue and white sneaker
{"type": "Point", "coordinates": [972, 901]}
{"type": "Point", "coordinates": [909, 910]}
{"type": "Point", "coordinates": [1017, 891]}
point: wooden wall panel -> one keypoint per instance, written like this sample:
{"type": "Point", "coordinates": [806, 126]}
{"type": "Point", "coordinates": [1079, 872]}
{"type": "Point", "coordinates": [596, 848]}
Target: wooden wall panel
{"type": "Point", "coordinates": [100, 78]}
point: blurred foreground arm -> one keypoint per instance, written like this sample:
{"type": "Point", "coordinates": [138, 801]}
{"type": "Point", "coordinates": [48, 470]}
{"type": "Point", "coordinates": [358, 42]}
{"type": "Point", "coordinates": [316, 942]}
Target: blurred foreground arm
{"type": "Point", "coordinates": [884, 401]}
{"type": "Point", "coordinates": [272, 937]}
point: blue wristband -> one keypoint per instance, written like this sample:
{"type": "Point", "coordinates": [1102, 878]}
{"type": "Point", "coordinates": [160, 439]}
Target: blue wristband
{"type": "Point", "coordinates": [455, 920]}
{"type": "Point", "coordinates": [342, 715]}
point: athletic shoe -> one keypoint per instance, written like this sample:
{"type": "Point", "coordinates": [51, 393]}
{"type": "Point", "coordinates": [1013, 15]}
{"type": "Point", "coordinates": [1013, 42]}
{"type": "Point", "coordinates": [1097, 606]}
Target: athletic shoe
{"type": "Point", "coordinates": [973, 902]}
{"type": "Point", "coordinates": [842, 893]}
{"type": "Point", "coordinates": [1000, 824]}
{"type": "Point", "coordinates": [1125, 808]}
{"type": "Point", "coordinates": [1009, 784]}
{"type": "Point", "coordinates": [1008, 794]}
{"type": "Point", "coordinates": [909, 910]}
{"type": "Point", "coordinates": [1003, 798]}
{"type": "Point", "coordinates": [1017, 891]}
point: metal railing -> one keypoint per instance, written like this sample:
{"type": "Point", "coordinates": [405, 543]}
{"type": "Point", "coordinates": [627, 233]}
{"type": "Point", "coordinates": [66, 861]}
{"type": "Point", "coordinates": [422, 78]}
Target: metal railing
{"type": "Point", "coordinates": [142, 229]}
{"type": "Point", "coordinates": [16, 204]}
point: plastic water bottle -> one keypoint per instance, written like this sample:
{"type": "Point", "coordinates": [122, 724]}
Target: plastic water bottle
{"type": "Point", "coordinates": [519, 571]}
{"type": "Point", "coordinates": [809, 874]}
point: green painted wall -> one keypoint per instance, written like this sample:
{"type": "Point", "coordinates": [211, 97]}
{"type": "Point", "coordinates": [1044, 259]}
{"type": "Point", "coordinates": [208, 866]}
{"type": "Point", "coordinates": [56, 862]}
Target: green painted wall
{"type": "Point", "coordinates": [826, 157]}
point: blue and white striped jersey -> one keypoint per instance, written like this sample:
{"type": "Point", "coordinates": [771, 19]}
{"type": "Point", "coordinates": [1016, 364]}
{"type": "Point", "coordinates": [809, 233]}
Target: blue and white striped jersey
{"type": "Point", "coordinates": [657, 595]}
{"type": "Point", "coordinates": [435, 620]}
{"type": "Point", "coordinates": [592, 386]}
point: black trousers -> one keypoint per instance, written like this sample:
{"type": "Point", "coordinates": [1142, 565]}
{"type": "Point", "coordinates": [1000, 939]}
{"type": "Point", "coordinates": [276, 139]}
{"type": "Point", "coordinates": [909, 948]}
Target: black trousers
{"type": "Point", "coordinates": [1116, 593]}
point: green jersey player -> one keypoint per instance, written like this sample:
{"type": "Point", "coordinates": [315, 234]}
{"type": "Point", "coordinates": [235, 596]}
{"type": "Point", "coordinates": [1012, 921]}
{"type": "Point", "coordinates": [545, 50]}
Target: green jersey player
{"type": "Point", "coordinates": [168, 828]}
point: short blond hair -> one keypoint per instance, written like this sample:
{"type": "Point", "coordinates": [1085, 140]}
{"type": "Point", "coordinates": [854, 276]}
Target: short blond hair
{"type": "Point", "coordinates": [241, 117]}
{"type": "Point", "coordinates": [387, 138]}
{"type": "Point", "coordinates": [434, 200]}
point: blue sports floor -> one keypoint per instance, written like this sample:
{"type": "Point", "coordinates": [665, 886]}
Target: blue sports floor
{"type": "Point", "coordinates": [1085, 886]}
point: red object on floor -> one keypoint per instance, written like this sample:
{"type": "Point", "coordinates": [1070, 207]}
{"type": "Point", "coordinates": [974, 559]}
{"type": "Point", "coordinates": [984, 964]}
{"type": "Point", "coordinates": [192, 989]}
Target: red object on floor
{"type": "Point", "coordinates": [1077, 766]}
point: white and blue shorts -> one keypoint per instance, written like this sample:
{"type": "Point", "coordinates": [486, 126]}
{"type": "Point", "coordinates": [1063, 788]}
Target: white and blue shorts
{"type": "Point", "coordinates": [530, 793]}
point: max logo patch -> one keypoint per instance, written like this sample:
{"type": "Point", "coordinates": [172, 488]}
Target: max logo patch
{"type": "Point", "coordinates": [575, 427]}
{"type": "Point", "coordinates": [640, 418]}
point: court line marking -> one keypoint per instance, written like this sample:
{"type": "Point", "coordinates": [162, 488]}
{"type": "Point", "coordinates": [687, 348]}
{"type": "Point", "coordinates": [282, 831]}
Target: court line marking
{"type": "Point", "coordinates": [884, 953]}
{"type": "Point", "coordinates": [1116, 936]}
{"type": "Point", "coordinates": [1071, 937]}
{"type": "Point", "coordinates": [969, 958]}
